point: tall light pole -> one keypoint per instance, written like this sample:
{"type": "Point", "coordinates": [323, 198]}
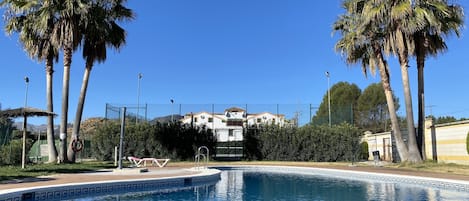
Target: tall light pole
{"type": "Point", "coordinates": [172, 113]}
{"type": "Point", "coordinates": [329, 96]}
{"type": "Point", "coordinates": [140, 75]}
{"type": "Point", "coordinates": [26, 80]}
{"type": "Point", "coordinates": [25, 123]}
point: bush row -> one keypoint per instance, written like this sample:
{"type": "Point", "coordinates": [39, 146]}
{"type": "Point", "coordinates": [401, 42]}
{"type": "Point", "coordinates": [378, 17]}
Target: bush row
{"type": "Point", "coordinates": [174, 140]}
{"type": "Point", "coordinates": [308, 143]}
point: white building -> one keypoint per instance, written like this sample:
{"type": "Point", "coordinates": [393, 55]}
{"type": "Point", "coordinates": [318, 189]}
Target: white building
{"type": "Point", "coordinates": [228, 127]}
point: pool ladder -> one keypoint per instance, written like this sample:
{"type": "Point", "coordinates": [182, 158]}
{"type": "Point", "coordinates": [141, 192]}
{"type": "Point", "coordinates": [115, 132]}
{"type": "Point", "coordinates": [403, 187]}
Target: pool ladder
{"type": "Point", "coordinates": [201, 155]}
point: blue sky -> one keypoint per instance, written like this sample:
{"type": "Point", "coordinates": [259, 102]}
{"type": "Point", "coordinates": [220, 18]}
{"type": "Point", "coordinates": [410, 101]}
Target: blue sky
{"type": "Point", "coordinates": [223, 52]}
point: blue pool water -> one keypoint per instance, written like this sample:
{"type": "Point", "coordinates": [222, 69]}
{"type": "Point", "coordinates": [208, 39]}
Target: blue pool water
{"type": "Point", "coordinates": [252, 184]}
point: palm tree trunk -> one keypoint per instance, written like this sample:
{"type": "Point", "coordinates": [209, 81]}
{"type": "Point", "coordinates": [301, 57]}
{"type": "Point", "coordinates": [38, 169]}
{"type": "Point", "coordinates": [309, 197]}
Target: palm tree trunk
{"type": "Point", "coordinates": [50, 108]}
{"type": "Point", "coordinates": [65, 91]}
{"type": "Point", "coordinates": [396, 131]}
{"type": "Point", "coordinates": [414, 154]}
{"type": "Point", "coordinates": [81, 103]}
{"type": "Point", "coordinates": [421, 97]}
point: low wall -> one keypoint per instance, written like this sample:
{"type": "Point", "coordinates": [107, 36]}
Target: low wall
{"type": "Point", "coordinates": [447, 142]}
{"type": "Point", "coordinates": [379, 142]}
{"type": "Point", "coordinates": [443, 143]}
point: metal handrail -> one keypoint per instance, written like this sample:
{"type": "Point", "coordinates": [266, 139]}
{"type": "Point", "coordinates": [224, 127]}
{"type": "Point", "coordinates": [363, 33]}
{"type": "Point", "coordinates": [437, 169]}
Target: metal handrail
{"type": "Point", "coordinates": [201, 154]}
{"type": "Point", "coordinates": [197, 160]}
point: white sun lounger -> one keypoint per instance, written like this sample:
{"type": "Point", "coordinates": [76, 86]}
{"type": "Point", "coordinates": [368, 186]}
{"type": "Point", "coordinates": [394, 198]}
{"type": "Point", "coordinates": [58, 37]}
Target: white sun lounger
{"type": "Point", "coordinates": [138, 162]}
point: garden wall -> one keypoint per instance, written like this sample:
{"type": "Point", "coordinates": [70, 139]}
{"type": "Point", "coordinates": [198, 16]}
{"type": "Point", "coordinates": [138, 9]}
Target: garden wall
{"type": "Point", "coordinates": [447, 142]}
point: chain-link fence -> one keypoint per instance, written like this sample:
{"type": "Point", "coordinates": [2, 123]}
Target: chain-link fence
{"type": "Point", "coordinates": [298, 114]}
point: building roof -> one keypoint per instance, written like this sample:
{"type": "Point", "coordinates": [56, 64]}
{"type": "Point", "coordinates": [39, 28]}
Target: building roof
{"type": "Point", "coordinates": [28, 111]}
{"type": "Point", "coordinates": [235, 109]}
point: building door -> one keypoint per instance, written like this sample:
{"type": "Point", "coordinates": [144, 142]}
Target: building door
{"type": "Point", "coordinates": [387, 149]}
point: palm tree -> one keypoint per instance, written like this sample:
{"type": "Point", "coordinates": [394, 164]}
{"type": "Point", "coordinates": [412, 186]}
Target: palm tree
{"type": "Point", "coordinates": [415, 28]}
{"type": "Point", "coordinates": [67, 36]}
{"type": "Point", "coordinates": [395, 16]}
{"type": "Point", "coordinates": [440, 20]}
{"type": "Point", "coordinates": [100, 31]}
{"type": "Point", "coordinates": [34, 28]}
{"type": "Point", "coordinates": [362, 42]}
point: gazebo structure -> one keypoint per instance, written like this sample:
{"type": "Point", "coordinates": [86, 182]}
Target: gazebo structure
{"type": "Point", "coordinates": [24, 112]}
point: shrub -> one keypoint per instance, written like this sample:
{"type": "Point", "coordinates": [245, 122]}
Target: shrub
{"type": "Point", "coordinates": [308, 143]}
{"type": "Point", "coordinates": [104, 141]}
{"type": "Point", "coordinates": [467, 142]}
{"type": "Point", "coordinates": [174, 141]}
{"type": "Point", "coordinates": [364, 151]}
{"type": "Point", "coordinates": [10, 154]}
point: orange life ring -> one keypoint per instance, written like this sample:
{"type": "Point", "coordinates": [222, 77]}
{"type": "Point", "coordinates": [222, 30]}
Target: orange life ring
{"type": "Point", "coordinates": [77, 145]}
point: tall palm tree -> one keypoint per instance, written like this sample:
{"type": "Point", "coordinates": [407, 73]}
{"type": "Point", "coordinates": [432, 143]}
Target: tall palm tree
{"type": "Point", "coordinates": [416, 28]}
{"type": "Point", "coordinates": [67, 36]}
{"type": "Point", "coordinates": [100, 30]}
{"type": "Point", "coordinates": [34, 22]}
{"type": "Point", "coordinates": [362, 43]}
{"type": "Point", "coordinates": [395, 16]}
{"type": "Point", "coordinates": [441, 19]}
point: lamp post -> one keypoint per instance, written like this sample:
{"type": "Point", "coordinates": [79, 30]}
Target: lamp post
{"type": "Point", "coordinates": [328, 96]}
{"type": "Point", "coordinates": [172, 113]}
{"type": "Point", "coordinates": [140, 75]}
{"type": "Point", "coordinates": [25, 123]}
{"type": "Point", "coordinates": [26, 80]}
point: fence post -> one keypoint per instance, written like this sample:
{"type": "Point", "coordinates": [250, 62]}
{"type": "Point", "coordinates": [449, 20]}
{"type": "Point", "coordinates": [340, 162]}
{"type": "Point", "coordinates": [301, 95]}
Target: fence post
{"type": "Point", "coordinates": [121, 140]}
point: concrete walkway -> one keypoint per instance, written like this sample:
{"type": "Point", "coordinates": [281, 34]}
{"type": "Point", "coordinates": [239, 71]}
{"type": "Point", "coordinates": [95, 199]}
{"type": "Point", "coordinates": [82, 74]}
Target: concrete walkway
{"type": "Point", "coordinates": [103, 175]}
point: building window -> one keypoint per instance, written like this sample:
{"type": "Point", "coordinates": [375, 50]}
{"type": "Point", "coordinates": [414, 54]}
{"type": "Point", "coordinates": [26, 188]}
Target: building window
{"type": "Point", "coordinates": [259, 120]}
{"type": "Point", "coordinates": [210, 119]}
{"type": "Point", "coordinates": [195, 119]}
{"type": "Point", "coordinates": [234, 122]}
{"type": "Point", "coordinates": [230, 133]}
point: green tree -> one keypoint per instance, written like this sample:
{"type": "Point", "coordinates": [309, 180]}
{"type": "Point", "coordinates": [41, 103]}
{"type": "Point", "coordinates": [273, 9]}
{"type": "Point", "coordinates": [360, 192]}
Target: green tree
{"type": "Point", "coordinates": [445, 119]}
{"type": "Point", "coordinates": [34, 21]}
{"type": "Point", "coordinates": [100, 30]}
{"type": "Point", "coordinates": [6, 130]}
{"type": "Point", "coordinates": [371, 111]}
{"type": "Point", "coordinates": [343, 98]}
{"type": "Point", "coordinates": [362, 42]}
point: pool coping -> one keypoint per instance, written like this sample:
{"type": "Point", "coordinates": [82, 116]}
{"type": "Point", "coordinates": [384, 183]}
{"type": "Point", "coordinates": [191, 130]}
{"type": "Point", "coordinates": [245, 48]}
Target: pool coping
{"type": "Point", "coordinates": [75, 190]}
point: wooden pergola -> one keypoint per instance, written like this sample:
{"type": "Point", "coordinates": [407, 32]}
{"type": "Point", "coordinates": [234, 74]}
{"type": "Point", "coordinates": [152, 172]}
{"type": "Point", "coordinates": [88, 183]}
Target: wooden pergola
{"type": "Point", "coordinates": [25, 112]}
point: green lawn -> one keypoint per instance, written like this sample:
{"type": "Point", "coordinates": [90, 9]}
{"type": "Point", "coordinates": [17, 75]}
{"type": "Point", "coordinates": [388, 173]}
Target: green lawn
{"type": "Point", "coordinates": [35, 170]}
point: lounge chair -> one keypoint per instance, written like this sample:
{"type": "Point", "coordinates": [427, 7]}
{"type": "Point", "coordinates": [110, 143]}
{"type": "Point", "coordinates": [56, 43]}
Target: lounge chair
{"type": "Point", "coordinates": [154, 161]}
{"type": "Point", "coordinates": [161, 162]}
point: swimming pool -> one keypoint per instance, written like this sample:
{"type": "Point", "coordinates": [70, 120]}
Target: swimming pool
{"type": "Point", "coordinates": [290, 183]}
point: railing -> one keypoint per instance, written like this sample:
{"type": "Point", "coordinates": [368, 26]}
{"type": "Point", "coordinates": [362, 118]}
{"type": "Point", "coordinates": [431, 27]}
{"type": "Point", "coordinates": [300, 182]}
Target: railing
{"type": "Point", "coordinates": [200, 154]}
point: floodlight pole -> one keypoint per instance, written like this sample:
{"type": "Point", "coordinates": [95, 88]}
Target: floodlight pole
{"type": "Point", "coordinates": [25, 123]}
{"type": "Point", "coordinates": [329, 96]}
{"type": "Point", "coordinates": [140, 75]}
{"type": "Point", "coordinates": [172, 113]}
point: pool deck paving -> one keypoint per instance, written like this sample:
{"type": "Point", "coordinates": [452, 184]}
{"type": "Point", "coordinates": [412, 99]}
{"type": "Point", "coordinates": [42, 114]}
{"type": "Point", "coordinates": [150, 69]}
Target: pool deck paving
{"type": "Point", "coordinates": [98, 176]}
{"type": "Point", "coordinates": [185, 170]}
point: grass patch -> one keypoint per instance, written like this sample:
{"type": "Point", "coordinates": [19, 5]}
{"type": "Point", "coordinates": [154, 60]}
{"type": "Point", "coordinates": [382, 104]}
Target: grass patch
{"type": "Point", "coordinates": [431, 166]}
{"type": "Point", "coordinates": [15, 172]}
